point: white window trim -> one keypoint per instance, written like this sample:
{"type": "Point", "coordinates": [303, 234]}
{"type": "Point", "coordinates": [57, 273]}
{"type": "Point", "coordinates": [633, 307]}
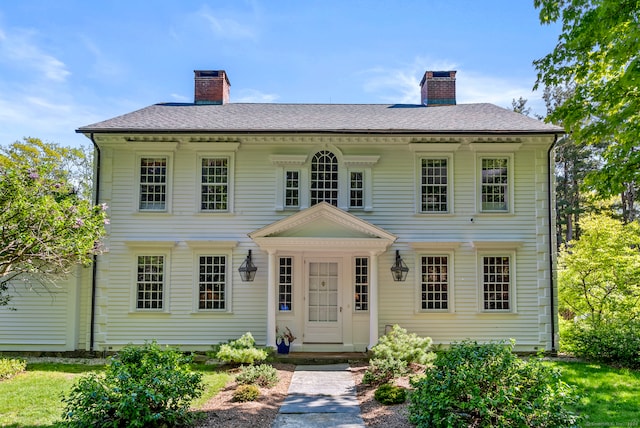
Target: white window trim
{"type": "Point", "coordinates": [166, 285]}
{"type": "Point", "coordinates": [450, 283]}
{"type": "Point", "coordinates": [510, 182]}
{"type": "Point", "coordinates": [418, 180]}
{"type": "Point", "coordinates": [228, 292]}
{"type": "Point", "coordinates": [292, 311]}
{"type": "Point", "coordinates": [169, 183]}
{"type": "Point", "coordinates": [230, 156]}
{"type": "Point", "coordinates": [285, 163]}
{"type": "Point", "coordinates": [512, 281]}
{"type": "Point", "coordinates": [353, 274]}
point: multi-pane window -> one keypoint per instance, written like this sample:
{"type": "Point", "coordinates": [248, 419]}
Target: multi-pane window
{"type": "Point", "coordinates": [495, 184]}
{"type": "Point", "coordinates": [285, 284]}
{"type": "Point", "coordinates": [361, 294]}
{"type": "Point", "coordinates": [434, 185]}
{"type": "Point", "coordinates": [324, 178]}
{"type": "Point", "coordinates": [150, 282]}
{"type": "Point", "coordinates": [496, 283]}
{"type": "Point", "coordinates": [153, 183]}
{"type": "Point", "coordinates": [356, 189]}
{"type": "Point", "coordinates": [292, 189]}
{"type": "Point", "coordinates": [215, 184]}
{"type": "Point", "coordinates": [212, 280]}
{"type": "Point", "coordinates": [435, 283]}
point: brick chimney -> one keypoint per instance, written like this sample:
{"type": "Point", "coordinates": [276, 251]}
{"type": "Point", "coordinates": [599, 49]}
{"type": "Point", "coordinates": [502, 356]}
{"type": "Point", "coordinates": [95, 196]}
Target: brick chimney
{"type": "Point", "coordinates": [438, 88]}
{"type": "Point", "coordinates": [211, 87]}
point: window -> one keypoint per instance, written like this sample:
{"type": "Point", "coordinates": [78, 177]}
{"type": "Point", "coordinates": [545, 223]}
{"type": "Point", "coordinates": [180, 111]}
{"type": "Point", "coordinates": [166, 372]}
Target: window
{"type": "Point", "coordinates": [356, 189]}
{"type": "Point", "coordinates": [285, 284]}
{"type": "Point", "coordinates": [435, 283]}
{"type": "Point", "coordinates": [214, 184]}
{"type": "Point", "coordinates": [292, 189]}
{"type": "Point", "coordinates": [324, 178]}
{"type": "Point", "coordinates": [153, 184]}
{"type": "Point", "coordinates": [495, 184]}
{"type": "Point", "coordinates": [496, 283]}
{"type": "Point", "coordinates": [361, 295]}
{"type": "Point", "coordinates": [150, 282]}
{"type": "Point", "coordinates": [434, 186]}
{"type": "Point", "coordinates": [212, 280]}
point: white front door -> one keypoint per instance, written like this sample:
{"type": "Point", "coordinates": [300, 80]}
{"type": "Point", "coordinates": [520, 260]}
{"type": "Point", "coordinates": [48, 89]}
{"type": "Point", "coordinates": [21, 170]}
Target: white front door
{"type": "Point", "coordinates": [323, 312]}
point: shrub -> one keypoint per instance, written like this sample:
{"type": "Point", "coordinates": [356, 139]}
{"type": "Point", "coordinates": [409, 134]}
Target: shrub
{"type": "Point", "coordinates": [397, 344]}
{"type": "Point", "coordinates": [390, 394]}
{"type": "Point", "coordinates": [382, 371]}
{"type": "Point", "coordinates": [11, 367]}
{"type": "Point", "coordinates": [394, 352]}
{"type": "Point", "coordinates": [246, 393]}
{"type": "Point", "coordinates": [489, 386]}
{"type": "Point", "coordinates": [262, 375]}
{"type": "Point", "coordinates": [144, 386]}
{"type": "Point", "coordinates": [606, 343]}
{"type": "Point", "coordinates": [240, 351]}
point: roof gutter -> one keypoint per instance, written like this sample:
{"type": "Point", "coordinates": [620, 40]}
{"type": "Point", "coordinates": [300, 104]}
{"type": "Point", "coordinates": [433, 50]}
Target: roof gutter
{"type": "Point", "coordinates": [552, 297]}
{"type": "Point", "coordinates": [94, 273]}
{"type": "Point", "coordinates": [311, 131]}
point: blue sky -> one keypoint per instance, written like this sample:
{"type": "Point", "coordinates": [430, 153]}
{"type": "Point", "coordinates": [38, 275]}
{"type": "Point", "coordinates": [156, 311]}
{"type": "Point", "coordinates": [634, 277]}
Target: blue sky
{"type": "Point", "coordinates": [70, 63]}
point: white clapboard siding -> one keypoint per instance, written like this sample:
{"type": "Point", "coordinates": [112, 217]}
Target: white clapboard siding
{"type": "Point", "coordinates": [45, 318]}
{"type": "Point", "coordinates": [254, 199]}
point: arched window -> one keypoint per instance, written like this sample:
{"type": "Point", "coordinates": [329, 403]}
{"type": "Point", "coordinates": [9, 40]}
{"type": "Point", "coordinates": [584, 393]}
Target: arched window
{"type": "Point", "coordinates": [324, 178]}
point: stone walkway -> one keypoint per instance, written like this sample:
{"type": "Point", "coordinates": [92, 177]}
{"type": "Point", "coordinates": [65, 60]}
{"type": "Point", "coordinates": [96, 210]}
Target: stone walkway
{"type": "Point", "coordinates": [320, 396]}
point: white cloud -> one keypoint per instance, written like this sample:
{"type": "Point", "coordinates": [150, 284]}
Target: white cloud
{"type": "Point", "coordinates": [226, 27]}
{"type": "Point", "coordinates": [254, 96]}
{"type": "Point", "coordinates": [401, 85]}
{"type": "Point", "coordinates": [19, 49]}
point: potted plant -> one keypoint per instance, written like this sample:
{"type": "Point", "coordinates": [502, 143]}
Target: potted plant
{"type": "Point", "coordinates": [284, 340]}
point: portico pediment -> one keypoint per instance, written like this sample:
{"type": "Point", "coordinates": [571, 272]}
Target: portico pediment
{"type": "Point", "coordinates": [320, 226]}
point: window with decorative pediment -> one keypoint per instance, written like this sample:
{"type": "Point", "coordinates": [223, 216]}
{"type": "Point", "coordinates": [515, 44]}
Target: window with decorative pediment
{"type": "Point", "coordinates": [324, 178]}
{"type": "Point", "coordinates": [304, 180]}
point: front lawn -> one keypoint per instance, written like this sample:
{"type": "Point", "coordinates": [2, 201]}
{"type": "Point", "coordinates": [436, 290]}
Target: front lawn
{"type": "Point", "coordinates": [33, 398]}
{"type": "Point", "coordinates": [608, 397]}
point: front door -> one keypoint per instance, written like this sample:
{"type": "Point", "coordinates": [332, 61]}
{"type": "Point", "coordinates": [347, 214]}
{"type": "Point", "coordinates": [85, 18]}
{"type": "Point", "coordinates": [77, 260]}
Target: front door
{"type": "Point", "coordinates": [323, 312]}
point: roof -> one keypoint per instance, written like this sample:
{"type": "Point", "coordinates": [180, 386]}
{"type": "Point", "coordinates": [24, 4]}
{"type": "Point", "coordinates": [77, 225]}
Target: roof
{"type": "Point", "coordinates": [372, 118]}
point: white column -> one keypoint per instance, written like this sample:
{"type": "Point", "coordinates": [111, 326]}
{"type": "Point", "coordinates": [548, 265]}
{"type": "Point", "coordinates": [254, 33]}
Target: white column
{"type": "Point", "coordinates": [271, 300]}
{"type": "Point", "coordinates": [373, 300]}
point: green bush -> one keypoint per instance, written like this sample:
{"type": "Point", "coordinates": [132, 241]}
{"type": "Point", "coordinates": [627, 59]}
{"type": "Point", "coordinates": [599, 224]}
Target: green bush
{"type": "Point", "coordinates": [606, 343]}
{"type": "Point", "coordinates": [390, 394]}
{"type": "Point", "coordinates": [397, 344]}
{"type": "Point", "coordinates": [246, 393]}
{"type": "Point", "coordinates": [382, 371]}
{"type": "Point", "coordinates": [262, 375]}
{"type": "Point", "coordinates": [489, 386]}
{"type": "Point", "coordinates": [143, 386]}
{"type": "Point", "coordinates": [240, 351]}
{"type": "Point", "coordinates": [11, 367]}
{"type": "Point", "coordinates": [394, 352]}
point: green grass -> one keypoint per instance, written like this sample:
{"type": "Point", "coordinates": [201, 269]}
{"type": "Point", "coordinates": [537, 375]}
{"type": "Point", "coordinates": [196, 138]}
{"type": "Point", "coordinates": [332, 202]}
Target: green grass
{"type": "Point", "coordinates": [33, 398]}
{"type": "Point", "coordinates": [608, 396]}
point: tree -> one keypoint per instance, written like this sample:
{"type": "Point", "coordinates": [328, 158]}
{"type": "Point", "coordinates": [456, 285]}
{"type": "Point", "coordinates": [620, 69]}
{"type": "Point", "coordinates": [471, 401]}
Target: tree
{"type": "Point", "coordinates": [574, 160]}
{"type": "Point", "coordinates": [520, 106]}
{"type": "Point", "coordinates": [598, 51]}
{"type": "Point", "coordinates": [599, 274]}
{"type": "Point", "coordinates": [48, 225]}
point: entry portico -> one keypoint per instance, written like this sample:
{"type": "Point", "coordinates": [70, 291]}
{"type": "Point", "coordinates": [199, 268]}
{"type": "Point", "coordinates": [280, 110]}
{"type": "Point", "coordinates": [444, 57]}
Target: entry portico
{"type": "Point", "coordinates": [313, 259]}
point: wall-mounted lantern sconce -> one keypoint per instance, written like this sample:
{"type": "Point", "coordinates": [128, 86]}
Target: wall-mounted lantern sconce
{"type": "Point", "coordinates": [399, 270]}
{"type": "Point", "coordinates": [247, 269]}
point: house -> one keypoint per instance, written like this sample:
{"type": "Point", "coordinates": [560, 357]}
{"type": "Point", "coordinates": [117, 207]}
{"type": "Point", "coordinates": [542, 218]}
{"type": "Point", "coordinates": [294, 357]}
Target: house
{"type": "Point", "coordinates": [334, 220]}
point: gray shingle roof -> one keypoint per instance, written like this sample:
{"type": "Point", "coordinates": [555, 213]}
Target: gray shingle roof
{"type": "Point", "coordinates": [397, 118]}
